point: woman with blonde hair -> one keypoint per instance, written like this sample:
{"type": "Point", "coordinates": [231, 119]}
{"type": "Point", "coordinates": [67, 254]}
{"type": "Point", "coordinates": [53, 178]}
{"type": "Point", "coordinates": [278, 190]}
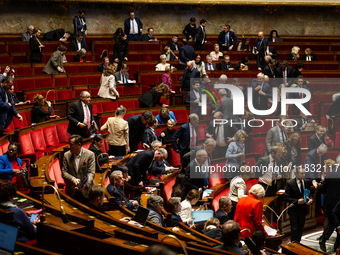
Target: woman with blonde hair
{"type": "Point", "coordinates": [118, 137]}
{"type": "Point", "coordinates": [309, 55]}
{"type": "Point", "coordinates": [108, 84]}
{"type": "Point", "coordinates": [153, 96]}
{"type": "Point", "coordinates": [163, 64]}
{"type": "Point", "coordinates": [38, 113]}
{"type": "Point", "coordinates": [212, 228]}
{"type": "Point", "coordinates": [294, 149]}
{"type": "Point", "coordinates": [216, 54]}
{"type": "Point", "coordinates": [166, 77]}
{"type": "Point", "coordinates": [164, 115]}
{"type": "Point", "coordinates": [294, 54]}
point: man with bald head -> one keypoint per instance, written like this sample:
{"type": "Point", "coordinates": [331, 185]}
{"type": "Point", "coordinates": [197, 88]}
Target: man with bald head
{"type": "Point", "coordinates": [189, 72]}
{"type": "Point", "coordinates": [258, 42]}
{"type": "Point", "coordinates": [80, 115]}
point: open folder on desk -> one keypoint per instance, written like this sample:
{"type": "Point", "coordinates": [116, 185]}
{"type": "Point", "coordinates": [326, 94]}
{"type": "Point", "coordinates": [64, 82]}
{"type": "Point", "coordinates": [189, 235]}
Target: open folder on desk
{"type": "Point", "coordinates": [200, 217]}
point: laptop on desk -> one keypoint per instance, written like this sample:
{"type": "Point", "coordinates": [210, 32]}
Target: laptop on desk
{"type": "Point", "coordinates": [8, 237]}
{"type": "Point", "coordinates": [141, 215]}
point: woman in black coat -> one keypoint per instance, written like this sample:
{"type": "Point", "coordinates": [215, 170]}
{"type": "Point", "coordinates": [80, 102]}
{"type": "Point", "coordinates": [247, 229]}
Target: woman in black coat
{"type": "Point", "coordinates": [294, 149]}
{"type": "Point", "coordinates": [309, 55]}
{"type": "Point", "coordinates": [80, 57]}
{"type": "Point", "coordinates": [121, 49]}
{"type": "Point", "coordinates": [36, 47]}
{"type": "Point", "coordinates": [95, 147]}
{"type": "Point", "coordinates": [38, 113]}
{"type": "Point", "coordinates": [153, 96]}
{"type": "Point", "coordinates": [212, 228]}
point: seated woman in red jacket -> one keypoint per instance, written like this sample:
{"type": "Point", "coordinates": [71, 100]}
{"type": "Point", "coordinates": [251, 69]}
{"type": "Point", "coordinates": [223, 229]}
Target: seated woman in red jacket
{"type": "Point", "coordinates": [249, 211]}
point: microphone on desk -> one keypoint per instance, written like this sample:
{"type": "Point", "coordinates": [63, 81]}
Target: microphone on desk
{"type": "Point", "coordinates": [278, 216]}
{"type": "Point", "coordinates": [43, 216]}
{"type": "Point", "coordinates": [108, 161]}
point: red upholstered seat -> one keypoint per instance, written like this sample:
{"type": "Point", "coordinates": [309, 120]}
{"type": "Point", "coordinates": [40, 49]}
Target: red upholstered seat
{"type": "Point", "coordinates": [93, 79]}
{"type": "Point", "coordinates": [217, 175]}
{"type": "Point", "coordinates": [51, 136]}
{"type": "Point", "coordinates": [304, 141]}
{"type": "Point", "coordinates": [337, 139]}
{"type": "Point", "coordinates": [332, 155]}
{"type": "Point", "coordinates": [109, 106]}
{"type": "Point", "coordinates": [94, 91]}
{"type": "Point", "coordinates": [78, 80]}
{"type": "Point", "coordinates": [9, 128]}
{"type": "Point", "coordinates": [25, 70]}
{"type": "Point", "coordinates": [259, 145]}
{"type": "Point", "coordinates": [303, 157]}
{"type": "Point", "coordinates": [167, 192]}
{"type": "Point", "coordinates": [86, 146]}
{"type": "Point", "coordinates": [71, 69]}
{"type": "Point", "coordinates": [128, 104]}
{"type": "Point", "coordinates": [64, 94]}
{"type": "Point", "coordinates": [4, 147]}
{"type": "Point", "coordinates": [85, 69]}
{"type": "Point", "coordinates": [215, 205]}
{"type": "Point", "coordinates": [39, 142]}
{"type": "Point", "coordinates": [27, 149]}
{"type": "Point", "coordinates": [131, 90]}
{"type": "Point", "coordinates": [25, 84]}
{"type": "Point", "coordinates": [77, 92]}
{"type": "Point", "coordinates": [163, 101]}
{"type": "Point", "coordinates": [57, 174]}
{"type": "Point", "coordinates": [250, 184]}
{"type": "Point", "coordinates": [120, 90]}
{"type": "Point", "coordinates": [181, 115]}
{"type": "Point", "coordinates": [264, 129]}
{"type": "Point", "coordinates": [6, 59]}
{"type": "Point", "coordinates": [174, 158]}
{"type": "Point", "coordinates": [128, 115]}
{"type": "Point", "coordinates": [43, 83]}
{"type": "Point", "coordinates": [97, 107]}
{"type": "Point", "coordinates": [250, 161]}
{"type": "Point", "coordinates": [18, 124]}
{"type": "Point", "coordinates": [61, 81]}
{"type": "Point", "coordinates": [39, 69]}
{"type": "Point", "coordinates": [62, 132]}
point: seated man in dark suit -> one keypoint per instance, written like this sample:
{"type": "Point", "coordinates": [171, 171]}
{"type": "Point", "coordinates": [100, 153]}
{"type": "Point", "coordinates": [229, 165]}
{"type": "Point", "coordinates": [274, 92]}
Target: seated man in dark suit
{"type": "Point", "coordinates": [209, 65]}
{"type": "Point", "coordinates": [57, 35]}
{"type": "Point", "coordinates": [159, 167]}
{"type": "Point", "coordinates": [227, 39]}
{"type": "Point", "coordinates": [186, 136]}
{"type": "Point", "coordinates": [226, 64]}
{"type": "Point", "coordinates": [149, 36]}
{"type": "Point", "coordinates": [302, 122]}
{"type": "Point", "coordinates": [102, 67]}
{"type": "Point", "coordinates": [298, 70]}
{"type": "Point", "coordinates": [95, 147]}
{"type": "Point", "coordinates": [318, 138]}
{"type": "Point", "coordinates": [189, 72]}
{"type": "Point", "coordinates": [265, 51]}
{"type": "Point", "coordinates": [194, 96]}
{"type": "Point", "coordinates": [115, 189]}
{"type": "Point", "coordinates": [224, 207]}
{"type": "Point", "coordinates": [175, 207]}
{"type": "Point", "coordinates": [271, 71]}
{"type": "Point", "coordinates": [285, 72]}
{"type": "Point", "coordinates": [173, 44]}
{"type": "Point", "coordinates": [294, 195]}
{"type": "Point", "coordinates": [335, 107]}
{"type": "Point", "coordinates": [122, 76]}
{"type": "Point", "coordinates": [231, 237]}
{"type": "Point", "coordinates": [137, 124]}
{"type": "Point", "coordinates": [80, 115]}
{"type": "Point", "coordinates": [78, 43]}
{"type": "Point", "coordinates": [140, 164]}
{"type": "Point", "coordinates": [96, 197]}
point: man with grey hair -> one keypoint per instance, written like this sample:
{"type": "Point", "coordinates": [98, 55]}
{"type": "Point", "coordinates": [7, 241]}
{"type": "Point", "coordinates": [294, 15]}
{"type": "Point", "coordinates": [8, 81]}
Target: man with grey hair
{"type": "Point", "coordinates": [224, 207]}
{"type": "Point", "coordinates": [314, 161]}
{"type": "Point", "coordinates": [186, 136]}
{"type": "Point", "coordinates": [140, 164]}
{"type": "Point", "coordinates": [335, 106]}
{"type": "Point", "coordinates": [318, 138]}
{"type": "Point", "coordinates": [261, 92]}
{"type": "Point", "coordinates": [155, 205]}
{"type": "Point", "coordinates": [231, 237]}
{"type": "Point", "coordinates": [80, 116]}
{"type": "Point", "coordinates": [227, 105]}
{"type": "Point", "coordinates": [276, 134]}
{"type": "Point", "coordinates": [209, 65]}
{"type": "Point", "coordinates": [196, 173]}
{"type": "Point", "coordinates": [159, 167]}
{"type": "Point", "coordinates": [115, 189]}
{"type": "Point", "coordinates": [189, 73]}
{"type": "Point", "coordinates": [27, 35]}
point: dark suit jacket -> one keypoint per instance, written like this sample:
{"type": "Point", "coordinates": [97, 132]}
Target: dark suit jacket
{"type": "Point", "coordinates": [193, 180]}
{"type": "Point", "coordinates": [231, 247]}
{"type": "Point", "coordinates": [74, 45]}
{"type": "Point", "coordinates": [136, 131]}
{"type": "Point", "coordinates": [191, 97]}
{"type": "Point", "coordinates": [214, 233]}
{"type": "Point", "coordinates": [183, 134]}
{"type": "Point", "coordinates": [6, 112]}
{"type": "Point", "coordinates": [260, 57]}
{"type": "Point", "coordinates": [146, 37]}
{"type": "Point", "coordinates": [336, 214]}
{"type": "Point", "coordinates": [200, 36]}
{"type": "Point", "coordinates": [76, 58]}
{"type": "Point", "coordinates": [127, 26]}
{"type": "Point", "coordinates": [264, 161]}
{"type": "Point", "coordinates": [172, 46]}
{"type": "Point", "coordinates": [313, 57]}
{"type": "Point", "coordinates": [117, 76]}
{"type": "Point", "coordinates": [100, 68]}
{"type": "Point", "coordinates": [187, 157]}
{"type": "Point", "coordinates": [314, 142]}
{"type": "Point", "coordinates": [266, 71]}
{"type": "Point", "coordinates": [76, 114]}
{"type": "Point", "coordinates": [258, 43]}
{"type": "Point", "coordinates": [54, 35]}
{"type": "Point", "coordinates": [121, 49]}
{"type": "Point", "coordinates": [280, 74]}
{"type": "Point", "coordinates": [330, 187]}
{"type": "Point", "coordinates": [138, 166]}
{"type": "Point", "coordinates": [232, 40]}
{"type": "Point", "coordinates": [228, 130]}
{"type": "Point", "coordinates": [158, 167]}
{"type": "Point", "coordinates": [262, 104]}
{"type": "Point", "coordinates": [38, 114]}
{"type": "Point", "coordinates": [36, 56]}
{"type": "Point", "coordinates": [102, 159]}
{"type": "Point", "coordinates": [293, 194]}
{"type": "Point", "coordinates": [334, 108]}
{"type": "Point", "coordinates": [299, 124]}
{"type": "Point", "coordinates": [222, 216]}
{"type": "Point", "coordinates": [195, 74]}
{"type": "Point", "coordinates": [289, 154]}
{"type": "Point", "coordinates": [78, 26]}
{"type": "Point", "coordinates": [312, 160]}
{"type": "Point", "coordinates": [149, 136]}
{"type": "Point", "coordinates": [213, 65]}
{"type": "Point", "coordinates": [225, 66]}
{"type": "Point", "coordinates": [119, 197]}
{"type": "Point", "coordinates": [175, 219]}
{"type": "Point", "coordinates": [186, 53]}
{"type": "Point", "coordinates": [151, 98]}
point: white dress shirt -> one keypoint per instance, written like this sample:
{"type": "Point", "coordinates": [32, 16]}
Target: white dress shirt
{"type": "Point", "coordinates": [84, 108]}
{"type": "Point", "coordinates": [267, 177]}
{"type": "Point", "coordinates": [133, 27]}
{"type": "Point", "coordinates": [79, 45]}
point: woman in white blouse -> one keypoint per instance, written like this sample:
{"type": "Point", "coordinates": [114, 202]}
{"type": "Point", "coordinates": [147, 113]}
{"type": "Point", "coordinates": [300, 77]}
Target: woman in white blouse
{"type": "Point", "coordinates": [161, 66]}
{"type": "Point", "coordinates": [238, 188]}
{"type": "Point", "coordinates": [216, 53]}
{"type": "Point", "coordinates": [199, 64]}
{"type": "Point", "coordinates": [191, 199]}
{"type": "Point", "coordinates": [108, 84]}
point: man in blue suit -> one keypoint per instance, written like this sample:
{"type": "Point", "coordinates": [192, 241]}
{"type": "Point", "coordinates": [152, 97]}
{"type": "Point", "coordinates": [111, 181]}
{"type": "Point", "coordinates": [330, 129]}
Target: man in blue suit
{"type": "Point", "coordinates": [7, 110]}
{"type": "Point", "coordinates": [186, 54]}
{"type": "Point", "coordinates": [79, 24]}
{"type": "Point", "coordinates": [133, 27]}
{"type": "Point", "coordinates": [150, 134]}
{"type": "Point", "coordinates": [187, 135]}
{"type": "Point", "coordinates": [258, 42]}
{"type": "Point", "coordinates": [227, 39]}
{"type": "Point", "coordinates": [189, 72]}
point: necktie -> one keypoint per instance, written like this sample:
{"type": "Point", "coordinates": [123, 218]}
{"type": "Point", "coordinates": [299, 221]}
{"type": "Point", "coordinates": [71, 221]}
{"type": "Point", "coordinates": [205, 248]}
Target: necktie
{"type": "Point", "coordinates": [284, 77]}
{"type": "Point", "coordinates": [283, 136]}
{"type": "Point", "coordinates": [193, 139]}
{"type": "Point", "coordinates": [176, 47]}
{"type": "Point", "coordinates": [300, 185]}
{"type": "Point", "coordinates": [133, 27]}
{"type": "Point", "coordinates": [210, 68]}
{"type": "Point", "coordinates": [227, 38]}
{"type": "Point", "coordinates": [124, 80]}
{"type": "Point", "coordinates": [88, 122]}
{"type": "Point", "coordinates": [259, 45]}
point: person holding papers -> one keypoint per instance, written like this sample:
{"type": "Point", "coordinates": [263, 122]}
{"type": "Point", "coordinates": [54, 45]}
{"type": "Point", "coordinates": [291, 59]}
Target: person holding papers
{"type": "Point", "coordinates": [190, 200]}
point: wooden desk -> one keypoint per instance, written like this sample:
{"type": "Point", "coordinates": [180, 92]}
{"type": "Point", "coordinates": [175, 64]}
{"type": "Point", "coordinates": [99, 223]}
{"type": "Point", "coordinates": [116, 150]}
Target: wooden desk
{"type": "Point", "coordinates": [299, 249]}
